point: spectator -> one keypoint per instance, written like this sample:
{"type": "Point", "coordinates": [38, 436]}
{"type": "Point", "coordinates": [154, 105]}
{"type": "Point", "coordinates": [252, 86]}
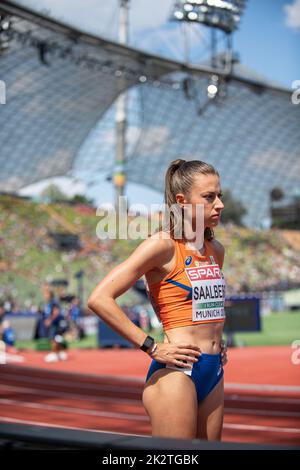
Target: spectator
{"type": "Point", "coordinates": [75, 318]}
{"type": "Point", "coordinates": [50, 301]}
{"type": "Point", "coordinates": [7, 334]}
{"type": "Point", "coordinates": [57, 326]}
{"type": "Point", "coordinates": [42, 331]}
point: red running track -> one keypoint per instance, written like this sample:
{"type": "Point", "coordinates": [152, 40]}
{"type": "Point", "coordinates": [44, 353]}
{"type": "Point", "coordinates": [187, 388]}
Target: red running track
{"type": "Point", "coordinates": [101, 390]}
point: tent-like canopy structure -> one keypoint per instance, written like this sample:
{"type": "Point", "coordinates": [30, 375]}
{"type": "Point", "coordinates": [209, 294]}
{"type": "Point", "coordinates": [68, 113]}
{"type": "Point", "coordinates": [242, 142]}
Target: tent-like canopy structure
{"type": "Point", "coordinates": [60, 82]}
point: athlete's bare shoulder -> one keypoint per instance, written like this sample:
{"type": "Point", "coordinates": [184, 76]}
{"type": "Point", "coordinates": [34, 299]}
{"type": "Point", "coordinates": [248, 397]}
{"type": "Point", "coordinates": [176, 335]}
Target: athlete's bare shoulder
{"type": "Point", "coordinates": [152, 253]}
{"type": "Point", "coordinates": [162, 243]}
{"type": "Point", "coordinates": [162, 235]}
{"type": "Point", "coordinates": [162, 248]}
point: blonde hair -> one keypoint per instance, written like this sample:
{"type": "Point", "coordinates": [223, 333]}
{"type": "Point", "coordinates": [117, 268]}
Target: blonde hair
{"type": "Point", "coordinates": [179, 179]}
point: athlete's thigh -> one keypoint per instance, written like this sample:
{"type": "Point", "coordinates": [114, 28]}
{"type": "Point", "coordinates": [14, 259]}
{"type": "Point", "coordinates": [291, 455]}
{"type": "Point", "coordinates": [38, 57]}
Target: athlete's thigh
{"type": "Point", "coordinates": [170, 400]}
{"type": "Point", "coordinates": [211, 414]}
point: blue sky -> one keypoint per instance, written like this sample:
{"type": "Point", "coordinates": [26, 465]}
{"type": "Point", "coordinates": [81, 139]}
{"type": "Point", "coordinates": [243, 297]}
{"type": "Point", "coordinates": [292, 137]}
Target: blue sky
{"type": "Point", "coordinates": [268, 42]}
{"type": "Point", "coordinates": [268, 39]}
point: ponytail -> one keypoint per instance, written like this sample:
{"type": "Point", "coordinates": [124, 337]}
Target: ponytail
{"type": "Point", "coordinates": [170, 197]}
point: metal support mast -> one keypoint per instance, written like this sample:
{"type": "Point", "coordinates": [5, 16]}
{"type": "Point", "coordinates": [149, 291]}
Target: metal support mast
{"type": "Point", "coordinates": [119, 177]}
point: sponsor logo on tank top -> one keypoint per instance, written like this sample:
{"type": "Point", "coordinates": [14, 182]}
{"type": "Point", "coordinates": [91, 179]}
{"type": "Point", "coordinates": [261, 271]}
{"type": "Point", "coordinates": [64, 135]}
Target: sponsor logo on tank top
{"type": "Point", "coordinates": [208, 292]}
{"type": "Point", "coordinates": [188, 260]}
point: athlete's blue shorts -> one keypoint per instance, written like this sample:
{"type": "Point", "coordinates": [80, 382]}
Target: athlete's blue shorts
{"type": "Point", "coordinates": [205, 373]}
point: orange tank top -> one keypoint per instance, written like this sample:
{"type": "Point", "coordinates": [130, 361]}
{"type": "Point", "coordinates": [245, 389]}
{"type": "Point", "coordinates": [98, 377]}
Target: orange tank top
{"type": "Point", "coordinates": [193, 292]}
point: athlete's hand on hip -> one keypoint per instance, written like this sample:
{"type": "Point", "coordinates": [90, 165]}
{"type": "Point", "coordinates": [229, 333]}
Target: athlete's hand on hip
{"type": "Point", "coordinates": [224, 358]}
{"type": "Point", "coordinates": [176, 354]}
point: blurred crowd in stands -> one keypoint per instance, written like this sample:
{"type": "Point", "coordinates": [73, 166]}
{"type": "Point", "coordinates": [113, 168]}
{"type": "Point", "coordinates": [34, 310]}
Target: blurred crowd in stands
{"type": "Point", "coordinates": [55, 323]}
{"type": "Point", "coordinates": [258, 261]}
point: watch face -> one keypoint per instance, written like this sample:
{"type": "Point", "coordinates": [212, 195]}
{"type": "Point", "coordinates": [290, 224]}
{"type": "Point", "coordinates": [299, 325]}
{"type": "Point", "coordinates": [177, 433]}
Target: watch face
{"type": "Point", "coordinates": [148, 343]}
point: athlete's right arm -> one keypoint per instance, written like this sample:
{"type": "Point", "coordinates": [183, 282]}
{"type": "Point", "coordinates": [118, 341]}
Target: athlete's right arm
{"type": "Point", "coordinates": [151, 253]}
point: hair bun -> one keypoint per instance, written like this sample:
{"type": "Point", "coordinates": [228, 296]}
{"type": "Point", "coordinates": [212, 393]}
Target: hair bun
{"type": "Point", "coordinates": [176, 164]}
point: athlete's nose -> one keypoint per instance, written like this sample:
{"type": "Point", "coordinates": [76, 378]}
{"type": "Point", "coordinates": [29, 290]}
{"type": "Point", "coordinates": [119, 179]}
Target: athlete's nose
{"type": "Point", "coordinates": [219, 204]}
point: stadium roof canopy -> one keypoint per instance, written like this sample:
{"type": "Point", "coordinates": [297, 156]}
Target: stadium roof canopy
{"type": "Point", "coordinates": [60, 82]}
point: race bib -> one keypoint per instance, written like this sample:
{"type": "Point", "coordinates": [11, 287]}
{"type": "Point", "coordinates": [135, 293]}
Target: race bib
{"type": "Point", "coordinates": [208, 292]}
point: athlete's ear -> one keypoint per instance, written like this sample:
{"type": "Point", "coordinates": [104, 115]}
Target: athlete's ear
{"type": "Point", "coordinates": [180, 199]}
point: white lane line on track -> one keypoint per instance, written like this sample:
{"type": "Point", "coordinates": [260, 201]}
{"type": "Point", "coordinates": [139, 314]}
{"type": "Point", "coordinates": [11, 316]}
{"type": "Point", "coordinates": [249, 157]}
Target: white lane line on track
{"type": "Point", "coordinates": [249, 427]}
{"type": "Point", "coordinates": [69, 409]}
{"type": "Point", "coordinates": [92, 398]}
{"type": "Point", "coordinates": [240, 427]}
{"type": "Point", "coordinates": [133, 390]}
{"type": "Point", "coordinates": [262, 387]}
{"type": "Point", "coordinates": [140, 380]}
{"type": "Point", "coordinates": [118, 401]}
{"type": "Point", "coordinates": [132, 416]}
{"type": "Point", "coordinates": [251, 411]}
{"type": "Point", "coordinates": [71, 374]}
{"type": "Point", "coordinates": [131, 401]}
{"type": "Point", "coordinates": [48, 425]}
{"type": "Point", "coordinates": [52, 393]}
{"type": "Point", "coordinates": [67, 383]}
{"type": "Point", "coordinates": [262, 399]}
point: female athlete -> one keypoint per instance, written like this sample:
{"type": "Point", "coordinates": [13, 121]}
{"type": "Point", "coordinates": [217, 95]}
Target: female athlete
{"type": "Point", "coordinates": [184, 388]}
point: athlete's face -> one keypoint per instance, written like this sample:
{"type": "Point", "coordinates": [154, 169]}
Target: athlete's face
{"type": "Point", "coordinates": [206, 190]}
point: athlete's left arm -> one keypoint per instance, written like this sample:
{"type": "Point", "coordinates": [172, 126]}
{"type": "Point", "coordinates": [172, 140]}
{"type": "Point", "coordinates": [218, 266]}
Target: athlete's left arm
{"type": "Point", "coordinates": [220, 253]}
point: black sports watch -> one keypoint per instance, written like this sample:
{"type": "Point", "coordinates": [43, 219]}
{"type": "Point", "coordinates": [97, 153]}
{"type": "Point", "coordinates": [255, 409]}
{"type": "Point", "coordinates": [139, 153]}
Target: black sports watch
{"type": "Point", "coordinates": [149, 341]}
